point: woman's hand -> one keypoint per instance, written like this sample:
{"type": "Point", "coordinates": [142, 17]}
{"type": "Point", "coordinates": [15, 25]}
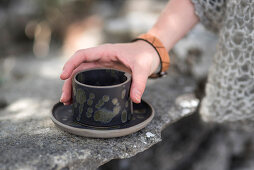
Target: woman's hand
{"type": "Point", "coordinates": [138, 58]}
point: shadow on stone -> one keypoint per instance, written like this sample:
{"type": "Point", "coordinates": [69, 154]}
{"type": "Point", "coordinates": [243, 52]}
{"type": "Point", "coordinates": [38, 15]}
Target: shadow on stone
{"type": "Point", "coordinates": [180, 146]}
{"type": "Point", "coordinates": [3, 104]}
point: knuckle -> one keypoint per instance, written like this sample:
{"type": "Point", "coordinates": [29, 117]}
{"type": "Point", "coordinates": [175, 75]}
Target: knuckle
{"type": "Point", "coordinates": [139, 63]}
{"type": "Point", "coordinates": [107, 45]}
{"type": "Point", "coordinates": [106, 48]}
{"type": "Point", "coordinates": [78, 52]}
{"type": "Point", "coordinates": [107, 64]}
{"type": "Point", "coordinates": [73, 66]}
{"type": "Point", "coordinates": [110, 46]}
{"type": "Point", "coordinates": [141, 67]}
{"type": "Point", "coordinates": [107, 52]}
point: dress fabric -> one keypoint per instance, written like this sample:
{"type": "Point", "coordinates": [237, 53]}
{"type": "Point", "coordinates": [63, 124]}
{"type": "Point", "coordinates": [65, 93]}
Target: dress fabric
{"type": "Point", "coordinates": [230, 87]}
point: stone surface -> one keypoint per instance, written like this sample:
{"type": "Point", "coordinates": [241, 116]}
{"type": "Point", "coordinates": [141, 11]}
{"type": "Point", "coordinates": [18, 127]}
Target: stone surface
{"type": "Point", "coordinates": [190, 144]}
{"type": "Point", "coordinates": [29, 139]}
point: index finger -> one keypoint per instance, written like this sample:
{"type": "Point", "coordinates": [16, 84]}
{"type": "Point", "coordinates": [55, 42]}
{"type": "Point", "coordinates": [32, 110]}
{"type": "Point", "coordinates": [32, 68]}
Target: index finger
{"type": "Point", "coordinates": [85, 55]}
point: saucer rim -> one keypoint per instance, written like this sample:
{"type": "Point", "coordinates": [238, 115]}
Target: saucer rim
{"type": "Point", "coordinates": [103, 133]}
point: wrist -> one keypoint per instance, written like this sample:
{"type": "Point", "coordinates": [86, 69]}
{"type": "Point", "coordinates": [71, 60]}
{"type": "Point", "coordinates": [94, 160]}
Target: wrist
{"type": "Point", "coordinates": [160, 49]}
{"type": "Point", "coordinates": [150, 51]}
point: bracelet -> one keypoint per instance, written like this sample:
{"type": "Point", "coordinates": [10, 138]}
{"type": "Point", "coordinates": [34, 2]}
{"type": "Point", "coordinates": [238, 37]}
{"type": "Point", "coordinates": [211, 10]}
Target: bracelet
{"type": "Point", "coordinates": [161, 51]}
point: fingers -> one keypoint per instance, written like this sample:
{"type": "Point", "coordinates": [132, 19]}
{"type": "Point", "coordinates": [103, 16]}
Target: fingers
{"type": "Point", "coordinates": [86, 55]}
{"type": "Point", "coordinates": [66, 96]}
{"type": "Point", "coordinates": [139, 79]}
{"type": "Point", "coordinates": [113, 56]}
{"type": "Point", "coordinates": [66, 92]}
{"type": "Point", "coordinates": [67, 87]}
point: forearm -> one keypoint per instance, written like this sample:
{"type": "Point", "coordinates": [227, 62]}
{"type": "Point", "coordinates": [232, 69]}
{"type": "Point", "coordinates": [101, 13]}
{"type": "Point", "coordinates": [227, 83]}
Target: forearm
{"type": "Point", "coordinates": [174, 22]}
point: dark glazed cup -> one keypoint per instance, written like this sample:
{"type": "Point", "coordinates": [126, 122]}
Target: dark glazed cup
{"type": "Point", "coordinates": [101, 97]}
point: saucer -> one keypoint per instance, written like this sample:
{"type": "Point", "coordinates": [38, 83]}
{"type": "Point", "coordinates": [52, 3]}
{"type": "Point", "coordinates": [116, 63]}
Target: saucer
{"type": "Point", "coordinates": [62, 116]}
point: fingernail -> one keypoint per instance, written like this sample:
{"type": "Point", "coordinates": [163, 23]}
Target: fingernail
{"type": "Point", "coordinates": [62, 74]}
{"type": "Point", "coordinates": [137, 95]}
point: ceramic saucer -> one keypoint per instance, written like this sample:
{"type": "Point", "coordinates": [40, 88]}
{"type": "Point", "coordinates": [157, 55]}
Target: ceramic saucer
{"type": "Point", "coordinates": [62, 116]}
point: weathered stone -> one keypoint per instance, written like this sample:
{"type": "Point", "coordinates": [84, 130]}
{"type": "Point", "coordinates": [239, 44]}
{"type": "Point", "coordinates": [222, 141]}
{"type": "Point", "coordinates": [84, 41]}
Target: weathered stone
{"type": "Point", "coordinates": [194, 145]}
{"type": "Point", "coordinates": [29, 139]}
{"type": "Point", "coordinates": [3, 103]}
{"type": "Point", "coordinates": [180, 142]}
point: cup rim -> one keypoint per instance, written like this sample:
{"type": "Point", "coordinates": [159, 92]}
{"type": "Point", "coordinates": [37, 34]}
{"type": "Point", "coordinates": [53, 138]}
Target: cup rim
{"type": "Point", "coordinates": [128, 75]}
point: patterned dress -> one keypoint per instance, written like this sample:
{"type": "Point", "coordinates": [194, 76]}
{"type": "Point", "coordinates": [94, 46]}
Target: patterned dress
{"type": "Point", "coordinates": [230, 87]}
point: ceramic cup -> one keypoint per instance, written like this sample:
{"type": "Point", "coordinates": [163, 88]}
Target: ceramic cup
{"type": "Point", "coordinates": [101, 97]}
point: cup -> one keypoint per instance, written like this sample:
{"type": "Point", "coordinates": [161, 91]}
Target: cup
{"type": "Point", "coordinates": [101, 97]}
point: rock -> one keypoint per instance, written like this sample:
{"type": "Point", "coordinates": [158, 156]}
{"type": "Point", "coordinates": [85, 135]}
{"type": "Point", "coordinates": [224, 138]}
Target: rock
{"type": "Point", "coordinates": [3, 103]}
{"type": "Point", "coordinates": [29, 139]}
{"type": "Point", "coordinates": [192, 144]}
{"type": "Point", "coordinates": [179, 143]}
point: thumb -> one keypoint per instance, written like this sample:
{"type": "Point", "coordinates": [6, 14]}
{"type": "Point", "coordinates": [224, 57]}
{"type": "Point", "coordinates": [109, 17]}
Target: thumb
{"type": "Point", "coordinates": [139, 79]}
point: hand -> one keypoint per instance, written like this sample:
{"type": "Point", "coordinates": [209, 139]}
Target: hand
{"type": "Point", "coordinates": [138, 58]}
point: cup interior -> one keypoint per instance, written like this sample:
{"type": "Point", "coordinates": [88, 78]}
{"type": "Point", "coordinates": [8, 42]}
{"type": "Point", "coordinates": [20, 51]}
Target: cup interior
{"type": "Point", "coordinates": [101, 77]}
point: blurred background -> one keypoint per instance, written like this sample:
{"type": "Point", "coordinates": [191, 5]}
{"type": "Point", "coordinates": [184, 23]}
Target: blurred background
{"type": "Point", "coordinates": [43, 29]}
